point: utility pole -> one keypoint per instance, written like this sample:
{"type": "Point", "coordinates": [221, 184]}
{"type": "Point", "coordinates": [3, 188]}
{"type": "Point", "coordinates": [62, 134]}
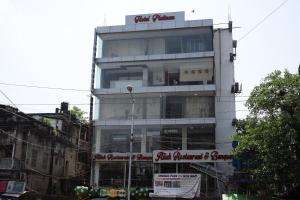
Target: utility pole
{"type": "Point", "coordinates": [130, 88]}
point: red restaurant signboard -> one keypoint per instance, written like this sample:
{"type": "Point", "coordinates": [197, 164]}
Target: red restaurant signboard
{"type": "Point", "coordinates": [190, 156]}
{"type": "Point", "coordinates": [122, 157]}
{"type": "Point", "coordinates": [168, 156]}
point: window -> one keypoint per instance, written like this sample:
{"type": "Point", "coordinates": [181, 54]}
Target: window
{"type": "Point", "coordinates": [196, 106]}
{"type": "Point", "coordinates": [56, 160]}
{"type": "Point", "coordinates": [193, 44]}
{"type": "Point", "coordinates": [118, 141]}
{"type": "Point", "coordinates": [137, 138]}
{"type": "Point", "coordinates": [67, 166]}
{"type": "Point", "coordinates": [174, 107]}
{"type": "Point", "coordinates": [200, 137]}
{"type": "Point", "coordinates": [45, 161]}
{"type": "Point", "coordinates": [112, 174]}
{"type": "Point", "coordinates": [82, 135]}
{"type": "Point", "coordinates": [34, 154]}
{"type": "Point", "coordinates": [171, 139]}
{"type": "Point", "coordinates": [142, 174]}
{"type": "Point", "coordinates": [173, 45]}
{"type": "Point", "coordinates": [152, 140]}
{"type": "Point", "coordinates": [82, 157]}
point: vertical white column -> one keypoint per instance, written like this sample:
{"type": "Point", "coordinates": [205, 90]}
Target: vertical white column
{"type": "Point", "coordinates": [145, 77]}
{"type": "Point", "coordinates": [98, 139]}
{"type": "Point", "coordinates": [143, 140]}
{"type": "Point", "coordinates": [96, 173]}
{"type": "Point", "coordinates": [224, 100]}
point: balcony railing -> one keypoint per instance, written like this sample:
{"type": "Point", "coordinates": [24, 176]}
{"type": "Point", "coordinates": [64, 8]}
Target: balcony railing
{"type": "Point", "coordinates": [7, 163]}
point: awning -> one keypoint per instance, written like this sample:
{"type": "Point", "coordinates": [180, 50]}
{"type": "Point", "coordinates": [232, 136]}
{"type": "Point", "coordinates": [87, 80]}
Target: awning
{"type": "Point", "coordinates": [10, 195]}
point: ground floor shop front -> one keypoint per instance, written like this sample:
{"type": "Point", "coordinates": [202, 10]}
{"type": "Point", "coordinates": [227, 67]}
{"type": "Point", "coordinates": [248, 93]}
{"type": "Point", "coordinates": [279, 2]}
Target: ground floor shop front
{"type": "Point", "coordinates": [111, 169]}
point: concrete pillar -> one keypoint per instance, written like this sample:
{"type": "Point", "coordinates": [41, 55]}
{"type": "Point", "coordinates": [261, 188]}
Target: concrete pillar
{"type": "Point", "coordinates": [145, 77]}
{"type": "Point", "coordinates": [143, 140]}
{"type": "Point", "coordinates": [96, 173]}
{"type": "Point", "coordinates": [98, 139]}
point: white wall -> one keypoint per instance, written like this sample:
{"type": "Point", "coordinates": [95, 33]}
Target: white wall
{"type": "Point", "coordinates": [225, 105]}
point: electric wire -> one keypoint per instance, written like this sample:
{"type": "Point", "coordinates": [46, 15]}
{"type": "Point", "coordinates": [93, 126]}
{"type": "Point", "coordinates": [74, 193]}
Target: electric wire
{"type": "Point", "coordinates": [103, 103]}
{"type": "Point", "coordinates": [37, 171]}
{"type": "Point", "coordinates": [74, 89]}
{"type": "Point", "coordinates": [8, 98]}
{"type": "Point", "coordinates": [26, 141]}
{"type": "Point", "coordinates": [44, 87]}
{"type": "Point", "coordinates": [264, 19]}
{"type": "Point", "coordinates": [34, 144]}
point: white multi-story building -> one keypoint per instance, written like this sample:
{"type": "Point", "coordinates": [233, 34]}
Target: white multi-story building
{"type": "Point", "coordinates": [184, 89]}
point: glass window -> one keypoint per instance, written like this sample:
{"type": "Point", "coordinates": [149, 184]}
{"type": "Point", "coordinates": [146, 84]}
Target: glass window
{"type": "Point", "coordinates": [171, 138]}
{"type": "Point", "coordinates": [173, 45]}
{"type": "Point", "coordinates": [199, 107]}
{"type": "Point", "coordinates": [114, 141]}
{"type": "Point", "coordinates": [182, 41]}
{"type": "Point", "coordinates": [153, 107]}
{"type": "Point", "coordinates": [117, 140]}
{"type": "Point", "coordinates": [155, 46]}
{"type": "Point", "coordinates": [142, 174]}
{"type": "Point", "coordinates": [192, 44]}
{"type": "Point", "coordinates": [153, 140]}
{"type": "Point", "coordinates": [200, 137]}
{"type": "Point", "coordinates": [119, 78]}
{"type": "Point", "coordinates": [174, 107]}
{"type": "Point", "coordinates": [120, 108]}
{"type": "Point", "coordinates": [137, 139]}
{"type": "Point", "coordinates": [112, 174]}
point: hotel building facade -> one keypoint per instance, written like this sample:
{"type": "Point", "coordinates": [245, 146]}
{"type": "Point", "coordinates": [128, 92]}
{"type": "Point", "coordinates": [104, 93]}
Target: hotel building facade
{"type": "Point", "coordinates": [182, 73]}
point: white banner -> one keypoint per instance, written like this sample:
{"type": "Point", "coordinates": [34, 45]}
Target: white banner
{"type": "Point", "coordinates": [177, 185]}
{"type": "Point", "coordinates": [190, 156]}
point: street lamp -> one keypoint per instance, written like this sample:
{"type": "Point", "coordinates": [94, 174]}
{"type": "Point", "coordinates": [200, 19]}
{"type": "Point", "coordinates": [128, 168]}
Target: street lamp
{"type": "Point", "coordinates": [130, 89]}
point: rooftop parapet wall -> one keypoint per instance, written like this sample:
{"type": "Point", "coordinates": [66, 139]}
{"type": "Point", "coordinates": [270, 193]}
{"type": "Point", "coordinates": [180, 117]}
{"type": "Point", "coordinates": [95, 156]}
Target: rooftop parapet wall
{"type": "Point", "coordinates": [155, 21]}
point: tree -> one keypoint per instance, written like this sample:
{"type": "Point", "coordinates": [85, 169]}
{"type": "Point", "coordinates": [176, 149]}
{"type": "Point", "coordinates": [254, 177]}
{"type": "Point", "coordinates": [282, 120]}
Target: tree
{"type": "Point", "coordinates": [78, 114]}
{"type": "Point", "coordinates": [270, 134]}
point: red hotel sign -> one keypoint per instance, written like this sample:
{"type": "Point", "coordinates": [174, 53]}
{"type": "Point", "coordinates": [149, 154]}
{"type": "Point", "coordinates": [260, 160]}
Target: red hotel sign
{"type": "Point", "coordinates": [122, 157]}
{"type": "Point", "coordinates": [189, 156]}
{"type": "Point", "coordinates": [153, 18]}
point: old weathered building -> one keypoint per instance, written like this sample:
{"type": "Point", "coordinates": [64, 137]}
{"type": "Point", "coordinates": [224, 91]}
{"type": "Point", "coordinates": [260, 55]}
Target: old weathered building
{"type": "Point", "coordinates": [48, 152]}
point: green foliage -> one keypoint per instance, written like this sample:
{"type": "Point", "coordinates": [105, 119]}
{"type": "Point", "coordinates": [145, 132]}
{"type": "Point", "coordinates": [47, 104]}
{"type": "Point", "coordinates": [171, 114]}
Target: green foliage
{"type": "Point", "coordinates": [78, 114]}
{"type": "Point", "coordinates": [270, 134]}
{"type": "Point", "coordinates": [46, 121]}
{"type": "Point", "coordinates": [83, 192]}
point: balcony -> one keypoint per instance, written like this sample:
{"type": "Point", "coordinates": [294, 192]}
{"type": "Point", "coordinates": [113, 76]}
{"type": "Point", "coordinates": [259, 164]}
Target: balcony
{"type": "Point", "coordinates": [7, 163]}
{"type": "Point", "coordinates": [155, 57]}
{"type": "Point", "coordinates": [160, 76]}
{"type": "Point", "coordinates": [6, 140]}
{"type": "Point", "coordinates": [204, 89]}
{"type": "Point", "coordinates": [150, 122]}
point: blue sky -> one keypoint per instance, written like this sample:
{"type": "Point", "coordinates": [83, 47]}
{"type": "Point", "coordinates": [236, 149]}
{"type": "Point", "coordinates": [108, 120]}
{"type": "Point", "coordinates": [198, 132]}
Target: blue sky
{"type": "Point", "coordinates": [49, 42]}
